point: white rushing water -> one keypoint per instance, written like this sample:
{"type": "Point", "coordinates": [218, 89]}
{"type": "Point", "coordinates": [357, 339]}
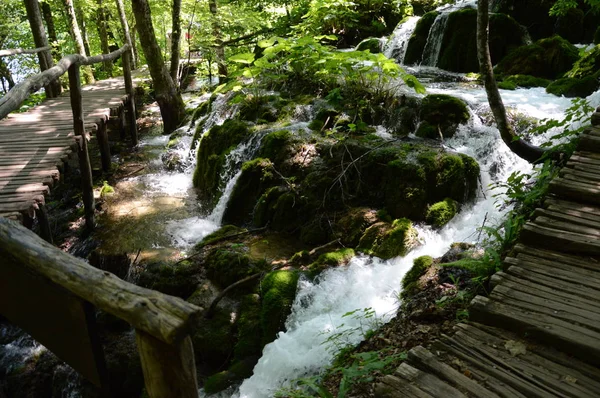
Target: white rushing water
{"type": "Point", "coordinates": [398, 43]}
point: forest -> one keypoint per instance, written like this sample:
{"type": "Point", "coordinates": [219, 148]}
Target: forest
{"type": "Point", "coordinates": [334, 185]}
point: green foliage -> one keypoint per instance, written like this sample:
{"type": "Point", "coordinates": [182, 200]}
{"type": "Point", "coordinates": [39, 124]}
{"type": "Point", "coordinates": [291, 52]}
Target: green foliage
{"type": "Point", "coordinates": [106, 189]}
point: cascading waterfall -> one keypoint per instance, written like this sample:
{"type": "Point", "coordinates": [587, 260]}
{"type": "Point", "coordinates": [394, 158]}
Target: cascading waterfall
{"type": "Point", "coordinates": [398, 43]}
{"type": "Point", "coordinates": [370, 282]}
{"type": "Point", "coordinates": [433, 47]}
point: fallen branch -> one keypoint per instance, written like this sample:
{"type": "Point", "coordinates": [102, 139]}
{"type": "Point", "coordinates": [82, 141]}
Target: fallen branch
{"type": "Point", "coordinates": [134, 172]}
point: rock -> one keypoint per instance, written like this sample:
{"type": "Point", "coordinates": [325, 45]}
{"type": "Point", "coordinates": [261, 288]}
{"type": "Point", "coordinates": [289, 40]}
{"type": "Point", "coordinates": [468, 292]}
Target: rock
{"type": "Point", "coordinates": [418, 40]}
{"type": "Point", "coordinates": [456, 252]}
{"type": "Point", "coordinates": [230, 262]}
{"type": "Point", "coordinates": [353, 225]}
{"type": "Point", "coordinates": [443, 111]}
{"type": "Point", "coordinates": [278, 290]}
{"type": "Point", "coordinates": [249, 337]}
{"type": "Point", "coordinates": [587, 65]}
{"type": "Point", "coordinates": [440, 213]}
{"type": "Point", "coordinates": [573, 87]}
{"type": "Point", "coordinates": [534, 14]}
{"type": "Point", "coordinates": [214, 340]}
{"type": "Point", "coordinates": [372, 44]}
{"type": "Point", "coordinates": [176, 280]}
{"type": "Point", "coordinates": [260, 108]}
{"type": "Point", "coordinates": [331, 259]}
{"type": "Point", "coordinates": [214, 147]}
{"type": "Point", "coordinates": [410, 279]}
{"type": "Point", "coordinates": [526, 81]}
{"type": "Point", "coordinates": [547, 58]}
{"type": "Point", "coordinates": [387, 240]}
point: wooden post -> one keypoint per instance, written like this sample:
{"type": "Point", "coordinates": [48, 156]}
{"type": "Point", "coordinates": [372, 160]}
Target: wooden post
{"type": "Point", "coordinates": [121, 120]}
{"type": "Point", "coordinates": [44, 223]}
{"type": "Point", "coordinates": [82, 149]}
{"type": "Point", "coordinates": [169, 369]}
{"type": "Point", "coordinates": [102, 137]}
{"type": "Point", "coordinates": [131, 96]}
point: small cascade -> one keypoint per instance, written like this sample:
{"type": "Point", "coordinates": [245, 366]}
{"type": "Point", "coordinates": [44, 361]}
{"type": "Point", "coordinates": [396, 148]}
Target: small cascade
{"type": "Point", "coordinates": [398, 43]}
{"type": "Point", "coordinates": [432, 50]}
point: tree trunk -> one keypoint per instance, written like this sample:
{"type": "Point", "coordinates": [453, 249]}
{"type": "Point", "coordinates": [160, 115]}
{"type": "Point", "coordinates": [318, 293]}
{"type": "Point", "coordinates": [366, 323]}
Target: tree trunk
{"type": "Point", "coordinates": [126, 33]}
{"type": "Point", "coordinates": [521, 148]}
{"type": "Point", "coordinates": [101, 23]}
{"type": "Point", "coordinates": [175, 40]}
{"type": "Point", "coordinates": [76, 35]}
{"type": "Point", "coordinates": [84, 35]}
{"type": "Point", "coordinates": [136, 56]}
{"type": "Point", "coordinates": [49, 19]}
{"type": "Point", "coordinates": [219, 48]}
{"type": "Point", "coordinates": [169, 100]}
{"type": "Point", "coordinates": [39, 37]}
{"type": "Point", "coordinates": [6, 75]}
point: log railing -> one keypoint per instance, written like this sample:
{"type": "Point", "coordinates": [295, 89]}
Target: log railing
{"type": "Point", "coordinates": [162, 323]}
{"type": "Point", "coordinates": [71, 64]}
{"type": "Point", "coordinates": [15, 51]}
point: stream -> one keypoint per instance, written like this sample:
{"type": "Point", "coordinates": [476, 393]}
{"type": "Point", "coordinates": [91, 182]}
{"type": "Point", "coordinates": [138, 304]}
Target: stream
{"type": "Point", "coordinates": [178, 222]}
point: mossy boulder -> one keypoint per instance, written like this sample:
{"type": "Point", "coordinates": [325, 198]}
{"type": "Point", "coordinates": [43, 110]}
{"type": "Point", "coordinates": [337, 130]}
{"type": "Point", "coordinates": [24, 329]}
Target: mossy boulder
{"type": "Point", "coordinates": [418, 39]}
{"type": "Point", "coordinates": [278, 291]}
{"type": "Point", "coordinates": [218, 235]}
{"type": "Point", "coordinates": [387, 240]}
{"type": "Point", "coordinates": [525, 81]}
{"type": "Point", "coordinates": [229, 263]}
{"type": "Point", "coordinates": [214, 340]}
{"type": "Point", "coordinates": [440, 213]}
{"type": "Point", "coordinates": [410, 279]}
{"type": "Point", "coordinates": [259, 108]}
{"type": "Point", "coordinates": [176, 280]}
{"type": "Point", "coordinates": [353, 225]}
{"type": "Point", "coordinates": [443, 111]}
{"type": "Point", "coordinates": [238, 371]}
{"type": "Point", "coordinates": [249, 340]}
{"type": "Point", "coordinates": [372, 44]}
{"type": "Point", "coordinates": [214, 148]}
{"type": "Point", "coordinates": [587, 65]}
{"type": "Point", "coordinates": [421, 7]}
{"type": "Point", "coordinates": [256, 176]}
{"type": "Point", "coordinates": [331, 259]}
{"type": "Point", "coordinates": [547, 58]}
{"type": "Point", "coordinates": [275, 146]}
{"type": "Point", "coordinates": [573, 87]}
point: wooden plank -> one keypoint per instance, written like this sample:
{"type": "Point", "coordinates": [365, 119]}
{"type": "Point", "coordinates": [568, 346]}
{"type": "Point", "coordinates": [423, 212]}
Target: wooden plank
{"type": "Point", "coordinates": [527, 260]}
{"type": "Point", "coordinates": [585, 208]}
{"type": "Point", "coordinates": [564, 335]}
{"type": "Point", "coordinates": [426, 382]}
{"type": "Point", "coordinates": [549, 238]}
{"type": "Point", "coordinates": [394, 387]}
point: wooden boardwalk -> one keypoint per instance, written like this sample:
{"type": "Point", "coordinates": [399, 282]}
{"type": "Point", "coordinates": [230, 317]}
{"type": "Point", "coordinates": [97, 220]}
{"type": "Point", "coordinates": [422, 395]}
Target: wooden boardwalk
{"type": "Point", "coordinates": [35, 145]}
{"type": "Point", "coordinates": [538, 332]}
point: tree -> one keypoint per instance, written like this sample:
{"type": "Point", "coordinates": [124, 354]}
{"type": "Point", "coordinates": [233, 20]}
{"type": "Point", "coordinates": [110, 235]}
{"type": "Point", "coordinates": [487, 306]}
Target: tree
{"type": "Point", "coordinates": [39, 37]}
{"type": "Point", "coordinates": [521, 148]}
{"type": "Point", "coordinates": [76, 35]}
{"type": "Point", "coordinates": [49, 19]}
{"type": "Point", "coordinates": [175, 39]}
{"type": "Point", "coordinates": [101, 23]}
{"type": "Point", "coordinates": [219, 47]}
{"type": "Point", "coordinates": [169, 100]}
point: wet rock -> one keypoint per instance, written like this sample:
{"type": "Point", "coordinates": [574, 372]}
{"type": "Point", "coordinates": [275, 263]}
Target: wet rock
{"type": "Point", "coordinates": [176, 280]}
{"type": "Point", "coordinates": [441, 113]}
{"type": "Point", "coordinates": [456, 252]}
{"type": "Point", "coordinates": [372, 44]}
{"type": "Point", "coordinates": [331, 259]}
{"type": "Point", "coordinates": [440, 213]}
{"type": "Point", "coordinates": [418, 40]}
{"type": "Point", "coordinates": [353, 225]}
{"type": "Point", "coordinates": [387, 240]}
{"type": "Point", "coordinates": [573, 87]}
{"type": "Point", "coordinates": [278, 290]}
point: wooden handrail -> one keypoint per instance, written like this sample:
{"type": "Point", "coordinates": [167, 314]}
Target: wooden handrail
{"type": "Point", "coordinates": [15, 51]}
{"type": "Point", "coordinates": [164, 317]}
{"type": "Point", "coordinates": [19, 93]}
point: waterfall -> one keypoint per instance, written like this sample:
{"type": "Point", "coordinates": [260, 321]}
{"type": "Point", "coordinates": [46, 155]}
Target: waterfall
{"type": "Point", "coordinates": [398, 43]}
{"type": "Point", "coordinates": [433, 47]}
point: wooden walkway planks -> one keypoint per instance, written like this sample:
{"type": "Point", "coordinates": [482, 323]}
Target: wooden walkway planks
{"type": "Point", "coordinates": [538, 332]}
{"type": "Point", "coordinates": [34, 145]}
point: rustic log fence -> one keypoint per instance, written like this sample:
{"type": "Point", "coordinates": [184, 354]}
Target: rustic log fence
{"type": "Point", "coordinates": [50, 295]}
{"type": "Point", "coordinates": [71, 64]}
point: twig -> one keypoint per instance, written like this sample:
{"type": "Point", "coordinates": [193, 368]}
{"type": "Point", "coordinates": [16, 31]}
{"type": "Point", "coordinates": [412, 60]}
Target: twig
{"type": "Point", "coordinates": [134, 172]}
{"type": "Point", "coordinates": [482, 226]}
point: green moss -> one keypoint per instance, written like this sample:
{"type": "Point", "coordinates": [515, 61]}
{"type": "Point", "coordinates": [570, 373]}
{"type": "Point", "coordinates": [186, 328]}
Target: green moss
{"type": "Point", "coordinates": [587, 65]}
{"type": "Point", "coordinates": [418, 39]}
{"type": "Point", "coordinates": [176, 280]}
{"type": "Point", "coordinates": [263, 209]}
{"type": "Point", "coordinates": [444, 111]}
{"type": "Point", "coordinates": [573, 87]}
{"type": "Point", "coordinates": [420, 265]}
{"type": "Point", "coordinates": [386, 240]}
{"type": "Point", "coordinates": [331, 259]}
{"type": "Point", "coordinates": [214, 147]}
{"type": "Point", "coordinates": [507, 85]}
{"type": "Point", "coordinates": [218, 382]}
{"type": "Point", "coordinates": [257, 108]}
{"type": "Point", "coordinates": [249, 341]}
{"type": "Point", "coordinates": [525, 81]}
{"type": "Point", "coordinates": [256, 177]}
{"type": "Point", "coordinates": [547, 58]}
{"type": "Point", "coordinates": [353, 224]}
{"type": "Point", "coordinates": [219, 234]}
{"type": "Point", "coordinates": [278, 292]}
{"type": "Point", "coordinates": [440, 213]}
{"type": "Point", "coordinates": [274, 145]}
{"type": "Point", "coordinates": [214, 340]}
{"type": "Point", "coordinates": [455, 170]}
{"type": "Point", "coordinates": [372, 44]}
{"type": "Point", "coordinates": [230, 263]}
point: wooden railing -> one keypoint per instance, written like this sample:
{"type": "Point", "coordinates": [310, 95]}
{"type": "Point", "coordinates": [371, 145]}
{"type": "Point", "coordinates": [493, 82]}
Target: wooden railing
{"type": "Point", "coordinates": [71, 64]}
{"type": "Point", "coordinates": [49, 294]}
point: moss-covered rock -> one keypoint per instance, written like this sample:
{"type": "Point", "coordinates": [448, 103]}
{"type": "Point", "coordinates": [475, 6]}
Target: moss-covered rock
{"type": "Point", "coordinates": [525, 81]}
{"type": "Point", "coordinates": [547, 58]}
{"type": "Point", "coordinates": [176, 280]}
{"type": "Point", "coordinates": [274, 146]}
{"type": "Point", "coordinates": [573, 87]}
{"type": "Point", "coordinates": [249, 340]}
{"type": "Point", "coordinates": [214, 340]}
{"type": "Point", "coordinates": [259, 108]}
{"type": "Point", "coordinates": [372, 44]}
{"type": "Point", "coordinates": [238, 371]}
{"type": "Point", "coordinates": [443, 111]}
{"type": "Point", "coordinates": [409, 281]}
{"type": "Point", "coordinates": [440, 213]}
{"type": "Point", "coordinates": [229, 263]}
{"type": "Point", "coordinates": [214, 147]}
{"type": "Point", "coordinates": [278, 291]}
{"type": "Point", "coordinates": [257, 176]}
{"type": "Point", "coordinates": [387, 240]}
{"type": "Point", "coordinates": [418, 39]}
{"type": "Point", "coordinates": [353, 225]}
{"type": "Point", "coordinates": [331, 259]}
{"type": "Point", "coordinates": [587, 65]}
{"type": "Point", "coordinates": [219, 235]}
